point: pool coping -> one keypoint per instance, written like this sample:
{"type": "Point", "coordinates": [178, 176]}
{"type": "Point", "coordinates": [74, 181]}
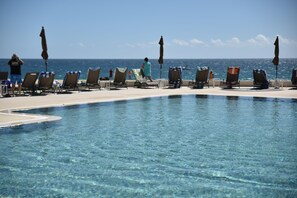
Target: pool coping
{"type": "Point", "coordinates": [17, 119]}
{"type": "Point", "coordinates": [10, 107]}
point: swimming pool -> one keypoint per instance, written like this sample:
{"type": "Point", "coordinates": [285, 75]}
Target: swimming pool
{"type": "Point", "coordinates": [177, 146]}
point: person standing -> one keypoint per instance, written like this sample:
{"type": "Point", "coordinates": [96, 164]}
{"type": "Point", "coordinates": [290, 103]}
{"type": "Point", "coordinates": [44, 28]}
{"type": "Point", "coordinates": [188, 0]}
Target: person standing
{"type": "Point", "coordinates": [15, 72]}
{"type": "Point", "coordinates": [146, 66]}
{"type": "Point", "coordinates": [129, 74]}
{"type": "Point", "coordinates": [210, 75]}
{"type": "Point", "coordinates": [110, 74]}
{"type": "Point", "coordinates": [211, 80]}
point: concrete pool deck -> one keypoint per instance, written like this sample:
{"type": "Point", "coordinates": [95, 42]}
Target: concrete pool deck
{"type": "Point", "coordinates": [9, 106]}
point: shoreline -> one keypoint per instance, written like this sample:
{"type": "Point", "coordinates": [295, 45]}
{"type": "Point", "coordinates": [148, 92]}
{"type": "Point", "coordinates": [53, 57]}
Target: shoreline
{"type": "Point", "coordinates": [9, 116]}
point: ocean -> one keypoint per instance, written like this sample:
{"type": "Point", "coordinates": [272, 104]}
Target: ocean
{"type": "Point", "coordinates": [218, 66]}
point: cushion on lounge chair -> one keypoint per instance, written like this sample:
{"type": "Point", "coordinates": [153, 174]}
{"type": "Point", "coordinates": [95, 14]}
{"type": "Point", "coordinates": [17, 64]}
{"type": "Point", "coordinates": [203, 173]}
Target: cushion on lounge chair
{"type": "Point", "coordinates": [233, 70]}
{"type": "Point", "coordinates": [46, 74]}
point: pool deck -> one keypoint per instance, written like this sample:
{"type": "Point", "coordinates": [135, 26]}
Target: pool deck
{"type": "Point", "coordinates": [8, 105]}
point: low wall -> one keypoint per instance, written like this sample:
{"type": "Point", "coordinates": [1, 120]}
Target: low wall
{"type": "Point", "coordinates": [215, 83]}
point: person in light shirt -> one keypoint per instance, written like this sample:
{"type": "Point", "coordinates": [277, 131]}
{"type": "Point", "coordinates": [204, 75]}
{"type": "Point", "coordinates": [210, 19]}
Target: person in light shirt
{"type": "Point", "coordinates": [146, 66]}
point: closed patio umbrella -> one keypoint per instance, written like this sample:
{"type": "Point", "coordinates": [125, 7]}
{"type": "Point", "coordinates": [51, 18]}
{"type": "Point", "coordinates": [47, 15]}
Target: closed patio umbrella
{"type": "Point", "coordinates": [44, 47]}
{"type": "Point", "coordinates": [161, 43]}
{"type": "Point", "coordinates": [275, 60]}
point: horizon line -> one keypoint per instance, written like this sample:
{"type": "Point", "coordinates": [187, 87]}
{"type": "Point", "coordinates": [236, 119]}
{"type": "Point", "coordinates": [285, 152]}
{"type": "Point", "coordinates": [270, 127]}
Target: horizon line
{"type": "Point", "coordinates": [151, 58]}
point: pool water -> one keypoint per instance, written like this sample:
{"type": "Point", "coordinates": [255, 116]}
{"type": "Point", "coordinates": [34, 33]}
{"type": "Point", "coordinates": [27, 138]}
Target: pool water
{"type": "Point", "coordinates": [177, 146]}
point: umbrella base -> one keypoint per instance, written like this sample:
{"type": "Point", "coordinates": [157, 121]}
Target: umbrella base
{"type": "Point", "coordinates": [276, 84]}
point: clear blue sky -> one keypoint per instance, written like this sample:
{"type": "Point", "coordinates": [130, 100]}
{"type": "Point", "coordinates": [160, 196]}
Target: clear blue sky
{"type": "Point", "coordinates": [132, 28]}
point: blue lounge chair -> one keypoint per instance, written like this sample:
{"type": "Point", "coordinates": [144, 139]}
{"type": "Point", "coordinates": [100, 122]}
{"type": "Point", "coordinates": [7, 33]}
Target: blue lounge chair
{"type": "Point", "coordinates": [260, 79]}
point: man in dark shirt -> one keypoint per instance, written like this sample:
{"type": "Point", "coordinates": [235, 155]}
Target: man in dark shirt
{"type": "Point", "coordinates": [15, 72]}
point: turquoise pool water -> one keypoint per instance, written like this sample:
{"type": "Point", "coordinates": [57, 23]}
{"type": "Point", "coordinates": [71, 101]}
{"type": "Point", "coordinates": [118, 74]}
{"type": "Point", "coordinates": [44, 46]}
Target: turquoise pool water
{"type": "Point", "coordinates": [178, 146]}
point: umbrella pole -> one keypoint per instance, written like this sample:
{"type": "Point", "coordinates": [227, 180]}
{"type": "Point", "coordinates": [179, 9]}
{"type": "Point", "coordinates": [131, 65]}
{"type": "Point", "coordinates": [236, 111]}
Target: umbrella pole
{"type": "Point", "coordinates": [276, 82]}
{"type": "Point", "coordinates": [160, 71]}
{"type": "Point", "coordinates": [45, 65]}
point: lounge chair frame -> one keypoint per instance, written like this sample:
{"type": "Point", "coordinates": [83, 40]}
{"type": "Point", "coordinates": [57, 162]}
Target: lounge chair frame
{"type": "Point", "coordinates": [93, 78]}
{"type": "Point", "coordinates": [29, 82]}
{"type": "Point", "coordinates": [70, 81]}
{"type": "Point", "coordinates": [232, 79]}
{"type": "Point", "coordinates": [201, 78]}
{"type": "Point", "coordinates": [175, 77]}
{"type": "Point", "coordinates": [5, 84]}
{"type": "Point", "coordinates": [45, 81]}
{"type": "Point", "coordinates": [3, 75]}
{"type": "Point", "coordinates": [260, 79]}
{"type": "Point", "coordinates": [141, 82]}
{"type": "Point", "coordinates": [119, 80]}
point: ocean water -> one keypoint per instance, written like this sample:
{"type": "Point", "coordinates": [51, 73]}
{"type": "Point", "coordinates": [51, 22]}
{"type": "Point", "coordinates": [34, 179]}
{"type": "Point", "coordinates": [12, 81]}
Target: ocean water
{"type": "Point", "coordinates": [218, 66]}
{"type": "Point", "coordinates": [177, 146]}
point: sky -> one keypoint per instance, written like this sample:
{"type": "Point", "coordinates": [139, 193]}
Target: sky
{"type": "Point", "coordinates": [116, 29]}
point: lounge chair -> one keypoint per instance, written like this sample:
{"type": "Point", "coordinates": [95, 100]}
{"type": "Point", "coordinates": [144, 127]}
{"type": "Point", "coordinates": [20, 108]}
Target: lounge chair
{"type": "Point", "coordinates": [201, 77]}
{"type": "Point", "coordinates": [175, 77]}
{"type": "Point", "coordinates": [232, 77]}
{"type": "Point", "coordinates": [260, 79]}
{"type": "Point", "coordinates": [29, 83]}
{"type": "Point", "coordinates": [45, 81]}
{"type": "Point", "coordinates": [5, 84]}
{"type": "Point", "coordinates": [294, 77]}
{"type": "Point", "coordinates": [4, 79]}
{"type": "Point", "coordinates": [141, 82]}
{"type": "Point", "coordinates": [119, 79]}
{"type": "Point", "coordinates": [93, 78]}
{"type": "Point", "coordinates": [3, 76]}
{"type": "Point", "coordinates": [70, 81]}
